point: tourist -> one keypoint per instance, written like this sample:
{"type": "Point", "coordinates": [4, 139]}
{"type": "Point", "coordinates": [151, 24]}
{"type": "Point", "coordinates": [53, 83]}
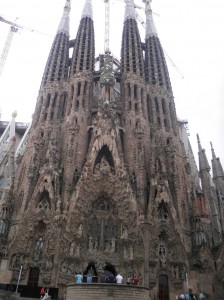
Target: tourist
{"type": "Point", "coordinates": [78, 278]}
{"type": "Point", "coordinates": [182, 295]}
{"type": "Point", "coordinates": [89, 278]}
{"type": "Point", "coordinates": [119, 278]}
{"type": "Point", "coordinates": [129, 280]}
{"type": "Point", "coordinates": [42, 292]}
{"type": "Point", "coordinates": [135, 280]}
{"type": "Point", "coordinates": [111, 278]}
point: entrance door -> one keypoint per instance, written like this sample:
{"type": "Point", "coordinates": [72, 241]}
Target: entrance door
{"type": "Point", "coordinates": [33, 277]}
{"type": "Point", "coordinates": [163, 288]}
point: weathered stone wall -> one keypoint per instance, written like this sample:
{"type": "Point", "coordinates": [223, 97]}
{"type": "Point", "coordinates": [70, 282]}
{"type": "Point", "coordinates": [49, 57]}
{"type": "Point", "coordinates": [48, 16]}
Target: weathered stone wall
{"type": "Point", "coordinates": [106, 291]}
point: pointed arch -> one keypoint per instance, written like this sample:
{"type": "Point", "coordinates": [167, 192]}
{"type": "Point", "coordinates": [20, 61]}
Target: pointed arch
{"type": "Point", "coordinates": [104, 156]}
{"type": "Point", "coordinates": [43, 201]}
{"type": "Point", "coordinates": [162, 211]}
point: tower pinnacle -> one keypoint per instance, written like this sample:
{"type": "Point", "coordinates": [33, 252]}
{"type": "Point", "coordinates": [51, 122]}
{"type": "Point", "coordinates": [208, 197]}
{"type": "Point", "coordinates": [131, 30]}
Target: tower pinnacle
{"type": "Point", "coordinates": [64, 24]}
{"type": "Point", "coordinates": [150, 25]}
{"type": "Point", "coordinates": [129, 10]}
{"type": "Point", "coordinates": [88, 10]}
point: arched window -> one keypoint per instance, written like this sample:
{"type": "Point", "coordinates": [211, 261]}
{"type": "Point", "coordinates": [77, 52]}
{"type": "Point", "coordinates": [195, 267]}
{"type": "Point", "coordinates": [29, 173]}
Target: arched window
{"type": "Point", "coordinates": [135, 91]}
{"type": "Point", "coordinates": [79, 89]}
{"type": "Point", "coordinates": [163, 211]}
{"type": "Point", "coordinates": [104, 160]}
{"type": "Point", "coordinates": [164, 106]}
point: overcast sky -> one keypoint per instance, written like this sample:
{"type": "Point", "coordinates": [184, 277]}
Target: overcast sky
{"type": "Point", "coordinates": [191, 32]}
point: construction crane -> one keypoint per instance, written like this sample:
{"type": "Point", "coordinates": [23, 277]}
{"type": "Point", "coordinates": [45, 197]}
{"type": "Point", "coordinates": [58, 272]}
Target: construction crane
{"type": "Point", "coordinates": [13, 29]}
{"type": "Point", "coordinates": [107, 26]}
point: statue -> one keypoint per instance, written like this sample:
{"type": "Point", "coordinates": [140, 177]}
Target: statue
{"type": "Point", "coordinates": [163, 260]}
{"type": "Point", "coordinates": [124, 234]}
{"type": "Point", "coordinates": [80, 230]}
{"type": "Point", "coordinates": [90, 243]}
{"type": "Point", "coordinates": [95, 244]}
{"type": "Point", "coordinates": [125, 252]}
{"type": "Point", "coordinates": [72, 248]}
{"type": "Point", "coordinates": [113, 245]}
{"type": "Point", "coordinates": [38, 250]}
{"type": "Point", "coordinates": [77, 252]}
{"type": "Point", "coordinates": [177, 272]}
{"type": "Point", "coordinates": [131, 251]}
{"type": "Point", "coordinates": [104, 166]}
{"type": "Point", "coordinates": [162, 255]}
{"type": "Point", "coordinates": [107, 247]}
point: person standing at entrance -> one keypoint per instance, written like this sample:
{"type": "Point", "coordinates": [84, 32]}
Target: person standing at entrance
{"type": "Point", "coordinates": [42, 293]}
{"type": "Point", "coordinates": [119, 278]}
{"type": "Point", "coordinates": [182, 296]}
{"type": "Point", "coordinates": [89, 278]}
{"type": "Point", "coordinates": [78, 278]}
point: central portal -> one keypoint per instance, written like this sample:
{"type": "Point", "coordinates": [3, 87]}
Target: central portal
{"type": "Point", "coordinates": [163, 288]}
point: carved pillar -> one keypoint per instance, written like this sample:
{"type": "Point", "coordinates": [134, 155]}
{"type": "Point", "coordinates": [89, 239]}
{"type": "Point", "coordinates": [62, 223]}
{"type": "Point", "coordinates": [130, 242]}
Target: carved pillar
{"type": "Point", "coordinates": [145, 228]}
{"type": "Point", "coordinates": [55, 271]}
{"type": "Point", "coordinates": [102, 235]}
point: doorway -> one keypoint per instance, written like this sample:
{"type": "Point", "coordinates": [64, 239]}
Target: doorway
{"type": "Point", "coordinates": [163, 287]}
{"type": "Point", "coordinates": [33, 277]}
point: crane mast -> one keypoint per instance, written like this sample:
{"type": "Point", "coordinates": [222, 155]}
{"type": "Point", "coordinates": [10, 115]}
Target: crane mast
{"type": "Point", "coordinates": [13, 29]}
{"type": "Point", "coordinates": [107, 26]}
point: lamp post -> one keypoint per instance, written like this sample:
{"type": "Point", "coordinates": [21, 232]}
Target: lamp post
{"type": "Point", "coordinates": [187, 285]}
{"type": "Point", "coordinates": [20, 273]}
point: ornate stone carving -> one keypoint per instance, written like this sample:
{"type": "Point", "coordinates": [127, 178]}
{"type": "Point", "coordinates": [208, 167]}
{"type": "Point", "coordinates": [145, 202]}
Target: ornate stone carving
{"type": "Point", "coordinates": [38, 250]}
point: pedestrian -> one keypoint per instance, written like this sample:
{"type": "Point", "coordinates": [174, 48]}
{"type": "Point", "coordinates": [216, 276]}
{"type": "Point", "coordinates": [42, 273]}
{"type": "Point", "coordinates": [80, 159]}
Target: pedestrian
{"type": "Point", "coordinates": [182, 296]}
{"type": "Point", "coordinates": [186, 296]}
{"type": "Point", "coordinates": [45, 294]}
{"type": "Point", "coordinates": [119, 278]}
{"type": "Point", "coordinates": [89, 278]}
{"type": "Point", "coordinates": [111, 278]}
{"type": "Point", "coordinates": [135, 280]}
{"type": "Point", "coordinates": [42, 293]}
{"type": "Point", "coordinates": [129, 280]}
{"type": "Point", "coordinates": [78, 278]}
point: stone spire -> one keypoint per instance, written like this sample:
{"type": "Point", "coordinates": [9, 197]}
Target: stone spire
{"type": "Point", "coordinates": [210, 193]}
{"type": "Point", "coordinates": [156, 68]}
{"type": "Point", "coordinates": [88, 10]}
{"type": "Point", "coordinates": [131, 51]}
{"type": "Point", "coordinates": [64, 24]}
{"type": "Point", "coordinates": [57, 65]}
{"type": "Point", "coordinates": [150, 25]}
{"type": "Point", "coordinates": [56, 71]}
{"type": "Point", "coordinates": [217, 169]}
{"type": "Point", "coordinates": [129, 10]}
{"type": "Point", "coordinates": [84, 49]}
{"type": "Point", "coordinates": [218, 178]}
{"type": "Point", "coordinates": [203, 161]}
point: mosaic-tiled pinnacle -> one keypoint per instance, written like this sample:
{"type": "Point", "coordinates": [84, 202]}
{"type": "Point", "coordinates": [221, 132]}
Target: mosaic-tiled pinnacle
{"type": "Point", "coordinates": [88, 10]}
{"type": "Point", "coordinates": [129, 10]}
{"type": "Point", "coordinates": [150, 25]}
{"type": "Point", "coordinates": [64, 24]}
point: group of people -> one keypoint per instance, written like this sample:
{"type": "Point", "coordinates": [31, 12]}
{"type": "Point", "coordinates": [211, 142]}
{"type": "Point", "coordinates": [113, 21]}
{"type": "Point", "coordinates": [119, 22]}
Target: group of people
{"type": "Point", "coordinates": [190, 296]}
{"type": "Point", "coordinates": [133, 279]}
{"type": "Point", "coordinates": [110, 278]}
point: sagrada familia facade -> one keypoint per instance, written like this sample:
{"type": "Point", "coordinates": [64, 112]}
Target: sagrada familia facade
{"type": "Point", "coordinates": [105, 175]}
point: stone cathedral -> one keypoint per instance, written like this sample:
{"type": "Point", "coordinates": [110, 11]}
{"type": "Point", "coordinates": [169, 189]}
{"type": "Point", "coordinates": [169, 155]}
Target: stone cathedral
{"type": "Point", "coordinates": [104, 178]}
